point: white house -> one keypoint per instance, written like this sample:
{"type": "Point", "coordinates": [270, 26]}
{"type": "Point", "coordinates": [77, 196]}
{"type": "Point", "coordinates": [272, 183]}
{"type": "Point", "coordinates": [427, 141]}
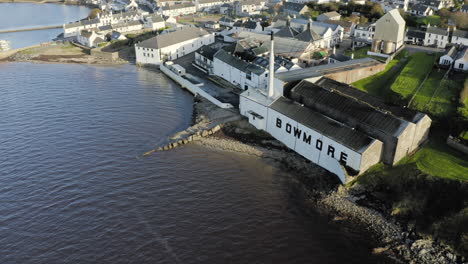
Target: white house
{"type": "Point", "coordinates": [421, 10]}
{"type": "Point", "coordinates": [248, 7]}
{"type": "Point", "coordinates": [239, 72]}
{"type": "Point", "coordinates": [226, 21]}
{"type": "Point", "coordinates": [461, 62]}
{"type": "Point", "coordinates": [172, 45]}
{"type": "Point", "coordinates": [209, 4]}
{"type": "Point", "coordinates": [155, 22]}
{"type": "Point", "coordinates": [90, 38]}
{"type": "Point", "coordinates": [73, 29]}
{"type": "Point", "coordinates": [204, 59]}
{"type": "Point", "coordinates": [329, 16]}
{"type": "Point", "coordinates": [295, 9]}
{"type": "Point", "coordinates": [449, 57]}
{"type": "Point", "coordinates": [415, 36]}
{"type": "Point", "coordinates": [178, 9]}
{"type": "Point", "coordinates": [459, 37]}
{"type": "Point", "coordinates": [211, 25]}
{"type": "Point", "coordinates": [435, 36]}
{"type": "Point", "coordinates": [248, 26]}
{"type": "Point", "coordinates": [363, 34]}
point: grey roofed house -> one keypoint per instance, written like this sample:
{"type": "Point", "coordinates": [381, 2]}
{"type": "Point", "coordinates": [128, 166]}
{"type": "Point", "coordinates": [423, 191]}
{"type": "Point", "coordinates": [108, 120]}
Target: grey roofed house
{"type": "Point", "coordinates": [226, 19]}
{"type": "Point", "coordinates": [178, 6]}
{"type": "Point", "coordinates": [308, 35]}
{"type": "Point", "coordinates": [415, 33]}
{"type": "Point", "coordinates": [452, 52]}
{"type": "Point", "coordinates": [328, 15]}
{"type": "Point", "coordinates": [437, 31]}
{"type": "Point", "coordinates": [105, 28]}
{"type": "Point", "coordinates": [207, 52]}
{"type": "Point", "coordinates": [324, 125]}
{"type": "Point", "coordinates": [237, 63]}
{"type": "Point", "coordinates": [464, 9]}
{"type": "Point", "coordinates": [344, 108]}
{"type": "Point", "coordinates": [283, 46]}
{"type": "Point", "coordinates": [279, 62]}
{"type": "Point", "coordinates": [294, 7]}
{"type": "Point", "coordinates": [462, 54]}
{"type": "Point", "coordinates": [287, 32]}
{"type": "Point", "coordinates": [83, 22]}
{"type": "Point", "coordinates": [171, 38]}
{"type": "Point", "coordinates": [346, 25]}
{"type": "Point", "coordinates": [250, 24]}
{"type": "Point", "coordinates": [420, 8]}
{"type": "Point", "coordinates": [155, 18]}
{"type": "Point", "coordinates": [460, 33]}
{"type": "Point", "coordinates": [321, 27]}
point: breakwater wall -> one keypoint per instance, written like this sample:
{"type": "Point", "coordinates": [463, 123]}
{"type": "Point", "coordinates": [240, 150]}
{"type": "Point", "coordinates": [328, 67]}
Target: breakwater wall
{"type": "Point", "coordinates": [28, 29]}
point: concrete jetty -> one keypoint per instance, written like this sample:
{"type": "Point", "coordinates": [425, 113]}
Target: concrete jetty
{"type": "Point", "coordinates": [28, 29]}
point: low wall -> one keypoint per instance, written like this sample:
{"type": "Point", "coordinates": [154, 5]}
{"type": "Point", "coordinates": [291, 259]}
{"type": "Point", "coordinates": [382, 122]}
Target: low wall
{"type": "Point", "coordinates": [454, 143]}
{"type": "Point", "coordinates": [354, 75]}
{"type": "Point", "coordinates": [195, 90]}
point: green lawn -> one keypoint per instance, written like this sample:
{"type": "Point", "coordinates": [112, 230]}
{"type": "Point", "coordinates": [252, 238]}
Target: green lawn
{"type": "Point", "coordinates": [463, 110]}
{"type": "Point", "coordinates": [379, 83]}
{"type": "Point", "coordinates": [464, 135]}
{"type": "Point", "coordinates": [445, 91]}
{"type": "Point", "coordinates": [412, 75]}
{"type": "Point", "coordinates": [359, 53]}
{"type": "Point", "coordinates": [433, 20]}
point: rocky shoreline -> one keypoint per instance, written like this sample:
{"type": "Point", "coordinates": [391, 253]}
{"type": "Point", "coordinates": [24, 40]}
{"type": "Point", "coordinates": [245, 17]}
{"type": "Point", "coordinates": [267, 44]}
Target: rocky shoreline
{"type": "Point", "coordinates": [340, 203]}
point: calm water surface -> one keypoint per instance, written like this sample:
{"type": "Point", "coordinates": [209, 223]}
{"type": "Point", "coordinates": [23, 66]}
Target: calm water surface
{"type": "Point", "coordinates": [72, 191]}
{"type": "Point", "coordinates": [26, 15]}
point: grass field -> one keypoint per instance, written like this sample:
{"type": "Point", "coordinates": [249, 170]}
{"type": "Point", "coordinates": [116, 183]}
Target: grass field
{"type": "Point", "coordinates": [464, 135]}
{"type": "Point", "coordinates": [379, 83]}
{"type": "Point", "coordinates": [433, 20]}
{"type": "Point", "coordinates": [444, 91]}
{"type": "Point", "coordinates": [419, 65]}
{"type": "Point", "coordinates": [359, 53]}
{"type": "Point", "coordinates": [463, 110]}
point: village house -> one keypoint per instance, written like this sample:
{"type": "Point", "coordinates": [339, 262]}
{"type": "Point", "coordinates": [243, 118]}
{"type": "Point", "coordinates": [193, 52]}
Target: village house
{"type": "Point", "coordinates": [211, 25]}
{"type": "Point", "coordinates": [415, 36]}
{"type": "Point", "coordinates": [461, 62]}
{"type": "Point", "coordinates": [464, 9]}
{"type": "Point", "coordinates": [249, 26]}
{"type": "Point", "coordinates": [421, 10]}
{"type": "Point", "coordinates": [363, 34]}
{"type": "Point", "coordinates": [73, 29]}
{"type": "Point", "coordinates": [226, 21]}
{"type": "Point", "coordinates": [171, 46]}
{"type": "Point", "coordinates": [449, 57]}
{"type": "Point", "coordinates": [90, 38]}
{"type": "Point", "coordinates": [248, 7]}
{"type": "Point", "coordinates": [178, 9]}
{"type": "Point", "coordinates": [295, 9]}
{"type": "Point", "coordinates": [204, 59]}
{"type": "Point", "coordinates": [226, 9]}
{"type": "Point", "coordinates": [437, 5]}
{"type": "Point", "coordinates": [389, 33]}
{"type": "Point", "coordinates": [208, 5]}
{"type": "Point", "coordinates": [437, 37]}
{"type": "Point", "coordinates": [329, 16]}
{"type": "Point", "coordinates": [154, 22]}
{"type": "Point", "coordinates": [459, 37]}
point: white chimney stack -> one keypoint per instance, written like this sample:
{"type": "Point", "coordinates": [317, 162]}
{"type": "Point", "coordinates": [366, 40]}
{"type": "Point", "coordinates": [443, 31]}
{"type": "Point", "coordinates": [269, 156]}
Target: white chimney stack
{"type": "Point", "coordinates": [271, 69]}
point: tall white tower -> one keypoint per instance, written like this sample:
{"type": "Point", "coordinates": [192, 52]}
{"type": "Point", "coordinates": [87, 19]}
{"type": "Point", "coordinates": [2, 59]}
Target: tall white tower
{"type": "Point", "coordinates": [271, 69]}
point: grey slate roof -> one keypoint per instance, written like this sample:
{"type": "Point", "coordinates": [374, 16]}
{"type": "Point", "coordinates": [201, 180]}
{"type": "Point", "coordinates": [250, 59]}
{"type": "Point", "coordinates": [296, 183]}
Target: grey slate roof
{"type": "Point", "coordinates": [226, 19]}
{"type": "Point", "coordinates": [460, 33]}
{"type": "Point", "coordinates": [437, 31]}
{"type": "Point", "coordinates": [295, 7]}
{"type": "Point", "coordinates": [344, 108]}
{"type": "Point", "coordinates": [283, 46]}
{"type": "Point", "coordinates": [331, 14]}
{"type": "Point", "coordinates": [404, 113]}
{"type": "Point", "coordinates": [165, 40]}
{"type": "Point", "coordinates": [308, 35]}
{"type": "Point", "coordinates": [207, 52]}
{"type": "Point", "coordinates": [83, 22]}
{"type": "Point", "coordinates": [286, 32]}
{"type": "Point", "coordinates": [155, 18]}
{"type": "Point", "coordinates": [324, 125]}
{"type": "Point", "coordinates": [464, 8]}
{"type": "Point", "coordinates": [420, 8]}
{"type": "Point", "coordinates": [178, 6]}
{"type": "Point", "coordinates": [452, 52]}
{"type": "Point", "coordinates": [415, 33]}
{"type": "Point", "coordinates": [237, 63]}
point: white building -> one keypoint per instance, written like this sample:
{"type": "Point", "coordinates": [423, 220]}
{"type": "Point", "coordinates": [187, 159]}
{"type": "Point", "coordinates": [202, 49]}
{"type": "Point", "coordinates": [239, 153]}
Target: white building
{"type": "Point", "coordinates": [437, 37]}
{"type": "Point", "coordinates": [172, 45]}
{"type": "Point", "coordinates": [155, 22]}
{"type": "Point", "coordinates": [421, 10]}
{"type": "Point", "coordinates": [178, 9]}
{"type": "Point", "coordinates": [329, 16]}
{"type": "Point", "coordinates": [459, 37]}
{"type": "Point", "coordinates": [90, 38]}
{"type": "Point", "coordinates": [414, 36]}
{"type": "Point", "coordinates": [248, 7]}
{"type": "Point", "coordinates": [449, 57]}
{"type": "Point", "coordinates": [389, 33]}
{"type": "Point", "coordinates": [73, 29]}
{"type": "Point", "coordinates": [461, 62]}
{"type": "Point", "coordinates": [209, 4]}
{"type": "Point", "coordinates": [239, 72]}
{"type": "Point", "coordinates": [363, 34]}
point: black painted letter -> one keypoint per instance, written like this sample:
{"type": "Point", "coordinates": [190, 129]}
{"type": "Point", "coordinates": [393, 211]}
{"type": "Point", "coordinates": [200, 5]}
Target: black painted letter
{"type": "Point", "coordinates": [319, 144]}
{"type": "Point", "coordinates": [288, 128]}
{"type": "Point", "coordinates": [306, 138]}
{"type": "Point", "coordinates": [278, 122]}
{"type": "Point", "coordinates": [343, 157]}
{"type": "Point", "coordinates": [297, 132]}
{"type": "Point", "coordinates": [331, 150]}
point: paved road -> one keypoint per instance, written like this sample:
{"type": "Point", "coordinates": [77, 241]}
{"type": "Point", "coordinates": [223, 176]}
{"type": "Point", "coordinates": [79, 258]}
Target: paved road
{"type": "Point", "coordinates": [414, 48]}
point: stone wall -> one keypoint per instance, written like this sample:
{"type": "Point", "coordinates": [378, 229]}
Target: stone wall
{"type": "Point", "coordinates": [456, 144]}
{"type": "Point", "coordinates": [354, 75]}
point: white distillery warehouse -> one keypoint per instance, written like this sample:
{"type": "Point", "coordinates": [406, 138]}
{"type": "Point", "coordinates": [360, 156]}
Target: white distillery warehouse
{"type": "Point", "coordinates": [338, 127]}
{"type": "Point", "coordinates": [171, 46]}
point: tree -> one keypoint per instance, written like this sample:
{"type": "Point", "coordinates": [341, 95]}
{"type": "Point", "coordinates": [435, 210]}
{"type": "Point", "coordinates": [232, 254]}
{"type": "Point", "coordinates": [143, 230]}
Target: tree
{"type": "Point", "coordinates": [460, 19]}
{"type": "Point", "coordinates": [363, 20]}
{"type": "Point", "coordinates": [353, 18]}
{"type": "Point", "coordinates": [376, 11]}
{"type": "Point", "coordinates": [94, 13]}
